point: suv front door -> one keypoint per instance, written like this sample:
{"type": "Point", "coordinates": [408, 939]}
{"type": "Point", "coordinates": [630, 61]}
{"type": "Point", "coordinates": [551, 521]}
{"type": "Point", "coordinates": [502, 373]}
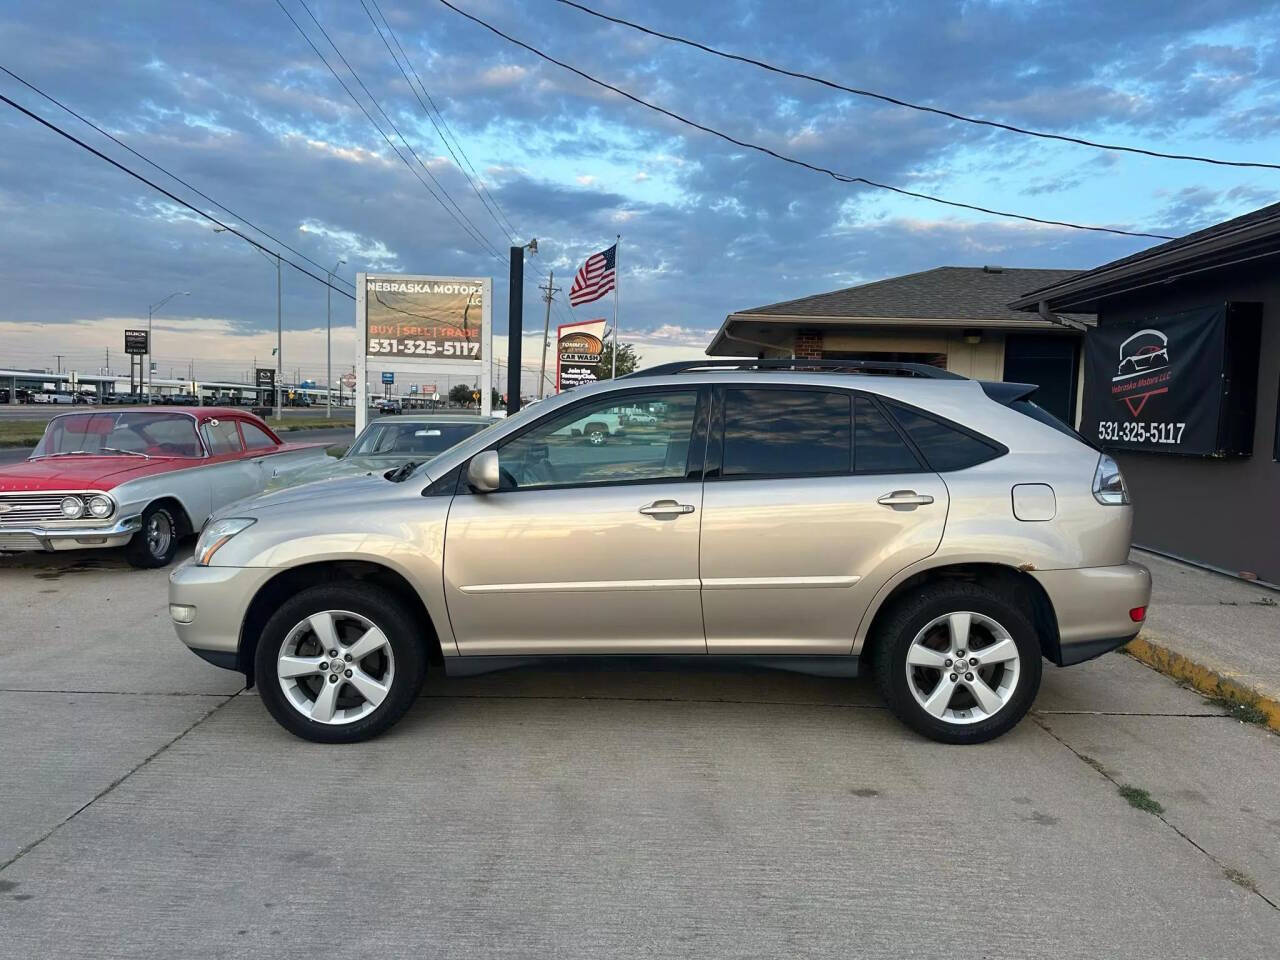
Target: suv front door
{"type": "Point", "coordinates": [811, 495]}
{"type": "Point", "coordinates": [590, 544]}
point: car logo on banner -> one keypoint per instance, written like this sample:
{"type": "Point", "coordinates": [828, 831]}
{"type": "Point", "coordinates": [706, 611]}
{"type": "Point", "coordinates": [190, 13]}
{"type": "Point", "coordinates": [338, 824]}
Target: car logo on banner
{"type": "Point", "coordinates": [1143, 371]}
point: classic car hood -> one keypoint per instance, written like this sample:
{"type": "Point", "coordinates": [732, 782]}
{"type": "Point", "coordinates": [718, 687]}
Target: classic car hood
{"type": "Point", "coordinates": [346, 467]}
{"type": "Point", "coordinates": [83, 472]}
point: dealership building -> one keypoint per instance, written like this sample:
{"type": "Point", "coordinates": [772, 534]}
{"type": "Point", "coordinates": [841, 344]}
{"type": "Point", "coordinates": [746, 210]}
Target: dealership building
{"type": "Point", "coordinates": [957, 318]}
{"type": "Point", "coordinates": [1182, 385]}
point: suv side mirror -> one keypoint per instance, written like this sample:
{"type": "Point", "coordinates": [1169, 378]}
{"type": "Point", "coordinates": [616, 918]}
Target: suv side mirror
{"type": "Point", "coordinates": [482, 472]}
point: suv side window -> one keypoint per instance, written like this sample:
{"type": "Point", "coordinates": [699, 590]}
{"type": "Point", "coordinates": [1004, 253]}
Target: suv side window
{"type": "Point", "coordinates": [221, 437]}
{"type": "Point", "coordinates": [878, 446]}
{"type": "Point", "coordinates": [945, 447]}
{"type": "Point", "coordinates": [773, 432]}
{"type": "Point", "coordinates": [642, 437]}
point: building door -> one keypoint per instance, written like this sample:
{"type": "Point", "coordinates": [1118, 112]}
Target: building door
{"type": "Point", "coordinates": [1048, 362]}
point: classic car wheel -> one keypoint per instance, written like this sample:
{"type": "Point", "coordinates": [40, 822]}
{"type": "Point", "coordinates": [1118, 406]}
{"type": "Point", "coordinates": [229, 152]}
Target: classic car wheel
{"type": "Point", "coordinates": [155, 544]}
{"type": "Point", "coordinates": [960, 663]}
{"type": "Point", "coordinates": [340, 662]}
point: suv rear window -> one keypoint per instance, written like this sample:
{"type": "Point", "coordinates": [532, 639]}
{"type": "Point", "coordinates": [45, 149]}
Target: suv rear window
{"type": "Point", "coordinates": [944, 446]}
{"type": "Point", "coordinates": [878, 446]}
{"type": "Point", "coordinates": [786, 433]}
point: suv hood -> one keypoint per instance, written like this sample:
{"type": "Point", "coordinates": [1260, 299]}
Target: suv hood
{"type": "Point", "coordinates": [316, 496]}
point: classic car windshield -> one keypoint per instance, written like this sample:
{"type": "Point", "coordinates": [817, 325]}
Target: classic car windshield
{"type": "Point", "coordinates": [121, 434]}
{"type": "Point", "coordinates": [416, 440]}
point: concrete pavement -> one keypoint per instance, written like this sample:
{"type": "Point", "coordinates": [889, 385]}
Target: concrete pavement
{"type": "Point", "coordinates": [153, 811]}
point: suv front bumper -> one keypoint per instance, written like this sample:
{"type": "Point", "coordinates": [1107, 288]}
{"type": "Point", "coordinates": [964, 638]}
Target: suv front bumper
{"type": "Point", "coordinates": [1093, 607]}
{"type": "Point", "coordinates": [216, 599]}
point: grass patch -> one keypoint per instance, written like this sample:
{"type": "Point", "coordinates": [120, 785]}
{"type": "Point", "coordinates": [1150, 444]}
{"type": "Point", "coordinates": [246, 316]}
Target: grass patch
{"type": "Point", "coordinates": [1139, 799]}
{"type": "Point", "coordinates": [1241, 879]}
{"type": "Point", "coordinates": [1239, 710]}
{"type": "Point", "coordinates": [21, 433]}
{"type": "Point", "coordinates": [290, 426]}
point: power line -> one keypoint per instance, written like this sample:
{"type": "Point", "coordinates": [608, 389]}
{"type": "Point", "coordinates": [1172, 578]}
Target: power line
{"type": "Point", "coordinates": [172, 196]}
{"type": "Point", "coordinates": [840, 177]}
{"type": "Point", "coordinates": [923, 108]}
{"type": "Point", "coordinates": [509, 233]}
{"type": "Point", "coordinates": [172, 176]}
{"type": "Point", "coordinates": [471, 230]}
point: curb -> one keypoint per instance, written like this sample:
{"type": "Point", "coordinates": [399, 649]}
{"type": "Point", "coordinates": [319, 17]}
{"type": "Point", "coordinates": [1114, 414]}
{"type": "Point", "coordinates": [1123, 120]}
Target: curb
{"type": "Point", "coordinates": [1200, 677]}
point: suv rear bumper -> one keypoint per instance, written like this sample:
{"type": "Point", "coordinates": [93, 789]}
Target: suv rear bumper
{"type": "Point", "coordinates": [1092, 605]}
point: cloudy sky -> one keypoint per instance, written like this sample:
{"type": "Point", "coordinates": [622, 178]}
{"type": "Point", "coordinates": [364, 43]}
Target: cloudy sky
{"type": "Point", "coordinates": [229, 96]}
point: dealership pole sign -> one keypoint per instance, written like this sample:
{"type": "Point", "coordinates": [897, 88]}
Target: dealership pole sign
{"type": "Point", "coordinates": [1161, 385]}
{"type": "Point", "coordinates": [578, 349]}
{"type": "Point", "coordinates": [135, 342]}
{"type": "Point", "coordinates": [424, 327]}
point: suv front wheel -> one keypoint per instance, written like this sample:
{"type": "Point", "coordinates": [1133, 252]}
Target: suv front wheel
{"type": "Point", "coordinates": [340, 662]}
{"type": "Point", "coordinates": [960, 663]}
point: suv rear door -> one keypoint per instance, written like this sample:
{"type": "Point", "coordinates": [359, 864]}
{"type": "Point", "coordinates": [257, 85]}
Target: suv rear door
{"type": "Point", "coordinates": [812, 498]}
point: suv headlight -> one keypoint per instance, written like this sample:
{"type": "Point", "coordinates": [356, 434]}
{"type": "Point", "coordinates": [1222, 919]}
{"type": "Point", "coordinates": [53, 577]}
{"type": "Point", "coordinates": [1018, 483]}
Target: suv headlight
{"type": "Point", "coordinates": [1108, 483]}
{"type": "Point", "coordinates": [216, 534]}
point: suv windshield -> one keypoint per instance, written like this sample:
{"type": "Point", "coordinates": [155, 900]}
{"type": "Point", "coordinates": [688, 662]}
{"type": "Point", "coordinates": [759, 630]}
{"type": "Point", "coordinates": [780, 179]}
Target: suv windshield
{"type": "Point", "coordinates": [121, 434]}
{"type": "Point", "coordinates": [414, 438]}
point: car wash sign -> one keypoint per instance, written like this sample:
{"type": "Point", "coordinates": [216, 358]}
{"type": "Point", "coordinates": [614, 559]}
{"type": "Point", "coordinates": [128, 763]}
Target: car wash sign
{"type": "Point", "coordinates": [578, 350]}
{"type": "Point", "coordinates": [1157, 386]}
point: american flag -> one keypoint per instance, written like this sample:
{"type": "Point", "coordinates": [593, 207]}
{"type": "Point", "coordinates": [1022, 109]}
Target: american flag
{"type": "Point", "coordinates": [595, 278]}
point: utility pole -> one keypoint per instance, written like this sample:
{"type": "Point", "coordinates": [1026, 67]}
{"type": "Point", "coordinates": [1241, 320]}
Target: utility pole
{"type": "Point", "coordinates": [328, 341]}
{"type": "Point", "coordinates": [59, 356]}
{"type": "Point", "coordinates": [548, 293]}
{"type": "Point", "coordinates": [279, 341]}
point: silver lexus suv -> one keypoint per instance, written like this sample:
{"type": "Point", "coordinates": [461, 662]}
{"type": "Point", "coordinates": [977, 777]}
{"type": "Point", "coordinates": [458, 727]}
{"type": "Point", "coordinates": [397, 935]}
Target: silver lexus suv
{"type": "Point", "coordinates": [945, 534]}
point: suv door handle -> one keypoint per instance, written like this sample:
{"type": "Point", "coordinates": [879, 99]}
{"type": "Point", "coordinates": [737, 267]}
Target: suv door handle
{"type": "Point", "coordinates": [665, 508]}
{"type": "Point", "coordinates": [905, 498]}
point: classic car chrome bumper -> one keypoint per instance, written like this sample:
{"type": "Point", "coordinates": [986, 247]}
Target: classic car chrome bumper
{"type": "Point", "coordinates": [47, 538]}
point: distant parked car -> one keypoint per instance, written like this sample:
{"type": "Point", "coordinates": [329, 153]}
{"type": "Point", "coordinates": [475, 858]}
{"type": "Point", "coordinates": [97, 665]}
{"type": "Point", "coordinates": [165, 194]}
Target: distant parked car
{"type": "Point", "coordinates": [390, 406]}
{"type": "Point", "coordinates": [388, 444]}
{"type": "Point", "coordinates": [84, 398]}
{"type": "Point", "coordinates": [48, 397]}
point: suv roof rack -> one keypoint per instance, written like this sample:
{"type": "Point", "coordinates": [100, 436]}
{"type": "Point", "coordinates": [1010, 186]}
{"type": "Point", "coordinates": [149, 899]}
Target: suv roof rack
{"type": "Point", "coordinates": [882, 367]}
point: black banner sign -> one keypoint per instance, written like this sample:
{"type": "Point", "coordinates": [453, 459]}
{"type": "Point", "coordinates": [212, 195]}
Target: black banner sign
{"type": "Point", "coordinates": [1156, 386]}
{"type": "Point", "coordinates": [265, 378]}
{"type": "Point", "coordinates": [135, 342]}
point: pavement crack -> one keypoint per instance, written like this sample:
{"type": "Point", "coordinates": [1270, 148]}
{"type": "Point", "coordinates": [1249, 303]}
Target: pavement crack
{"type": "Point", "coordinates": [1228, 871]}
{"type": "Point", "coordinates": [225, 699]}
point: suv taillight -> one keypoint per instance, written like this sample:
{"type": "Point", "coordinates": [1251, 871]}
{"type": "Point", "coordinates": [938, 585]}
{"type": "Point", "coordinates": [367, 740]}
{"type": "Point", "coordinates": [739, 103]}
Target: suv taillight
{"type": "Point", "coordinates": [1108, 483]}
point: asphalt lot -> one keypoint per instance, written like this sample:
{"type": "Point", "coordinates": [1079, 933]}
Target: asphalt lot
{"type": "Point", "coordinates": [152, 809]}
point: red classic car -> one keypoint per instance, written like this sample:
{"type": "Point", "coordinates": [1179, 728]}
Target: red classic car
{"type": "Point", "coordinates": [139, 479]}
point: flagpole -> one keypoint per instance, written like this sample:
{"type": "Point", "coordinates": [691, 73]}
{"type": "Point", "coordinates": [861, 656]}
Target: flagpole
{"type": "Point", "coordinates": [617, 279]}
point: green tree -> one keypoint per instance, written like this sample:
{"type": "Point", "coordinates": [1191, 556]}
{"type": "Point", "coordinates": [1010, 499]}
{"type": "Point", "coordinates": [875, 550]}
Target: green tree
{"type": "Point", "coordinates": [628, 360]}
{"type": "Point", "coordinates": [460, 393]}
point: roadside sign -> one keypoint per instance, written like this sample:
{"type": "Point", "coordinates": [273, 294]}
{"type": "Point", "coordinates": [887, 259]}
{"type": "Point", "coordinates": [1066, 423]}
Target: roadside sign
{"type": "Point", "coordinates": [428, 388]}
{"type": "Point", "coordinates": [435, 397]}
{"type": "Point", "coordinates": [135, 342]}
{"type": "Point", "coordinates": [414, 388]}
{"type": "Point", "coordinates": [265, 378]}
{"type": "Point", "coordinates": [388, 376]}
{"type": "Point", "coordinates": [475, 394]}
{"type": "Point", "coordinates": [349, 381]}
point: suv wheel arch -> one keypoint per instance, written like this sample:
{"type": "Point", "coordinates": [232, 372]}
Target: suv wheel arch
{"type": "Point", "coordinates": [295, 579]}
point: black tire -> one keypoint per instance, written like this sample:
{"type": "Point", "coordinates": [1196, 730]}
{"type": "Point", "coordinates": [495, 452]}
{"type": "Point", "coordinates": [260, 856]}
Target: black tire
{"type": "Point", "coordinates": [380, 607]}
{"type": "Point", "coordinates": [895, 636]}
{"type": "Point", "coordinates": [147, 551]}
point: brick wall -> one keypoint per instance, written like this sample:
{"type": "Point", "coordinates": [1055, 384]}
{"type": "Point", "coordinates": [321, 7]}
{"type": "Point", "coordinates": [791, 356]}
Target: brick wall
{"type": "Point", "coordinates": [808, 345]}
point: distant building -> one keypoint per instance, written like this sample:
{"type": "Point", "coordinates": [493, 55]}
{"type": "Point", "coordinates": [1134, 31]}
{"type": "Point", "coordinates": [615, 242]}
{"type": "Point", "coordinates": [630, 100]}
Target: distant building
{"type": "Point", "coordinates": [952, 317]}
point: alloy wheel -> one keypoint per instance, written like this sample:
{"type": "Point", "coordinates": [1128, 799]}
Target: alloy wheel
{"type": "Point", "coordinates": [335, 667]}
{"type": "Point", "coordinates": [963, 667]}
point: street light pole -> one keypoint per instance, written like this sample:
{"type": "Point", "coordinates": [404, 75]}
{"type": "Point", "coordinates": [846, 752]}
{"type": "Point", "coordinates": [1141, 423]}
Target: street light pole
{"type": "Point", "coordinates": [279, 341]}
{"type": "Point", "coordinates": [150, 312]}
{"type": "Point", "coordinates": [328, 341]}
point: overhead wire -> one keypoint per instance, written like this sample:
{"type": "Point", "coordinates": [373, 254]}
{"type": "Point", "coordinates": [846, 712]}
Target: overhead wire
{"type": "Point", "coordinates": [462, 222]}
{"type": "Point", "coordinates": [923, 108]}
{"type": "Point", "coordinates": [168, 193]}
{"type": "Point", "coordinates": [815, 168]}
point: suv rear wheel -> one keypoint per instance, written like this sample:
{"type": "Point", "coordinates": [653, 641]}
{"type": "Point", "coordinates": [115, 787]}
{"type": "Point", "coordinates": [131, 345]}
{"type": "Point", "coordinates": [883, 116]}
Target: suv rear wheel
{"type": "Point", "coordinates": [340, 662]}
{"type": "Point", "coordinates": [959, 664]}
